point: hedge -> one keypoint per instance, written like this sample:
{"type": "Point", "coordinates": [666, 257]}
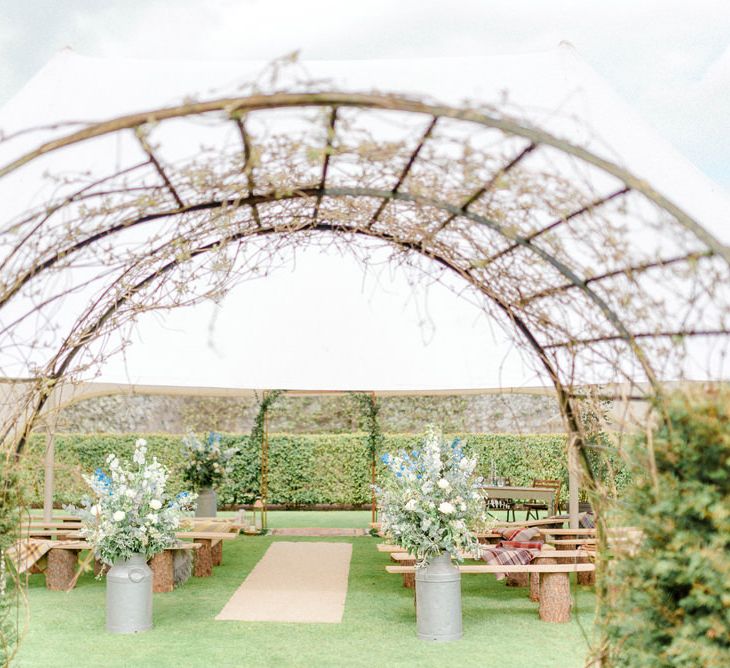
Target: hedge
{"type": "Point", "coordinates": [303, 469]}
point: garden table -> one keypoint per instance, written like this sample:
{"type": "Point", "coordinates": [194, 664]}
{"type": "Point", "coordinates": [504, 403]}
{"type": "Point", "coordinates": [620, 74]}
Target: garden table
{"type": "Point", "coordinates": [523, 493]}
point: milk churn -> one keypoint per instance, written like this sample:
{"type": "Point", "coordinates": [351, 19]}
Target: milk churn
{"type": "Point", "coordinates": [129, 596]}
{"type": "Point", "coordinates": [207, 502]}
{"type": "Point", "coordinates": [438, 600]}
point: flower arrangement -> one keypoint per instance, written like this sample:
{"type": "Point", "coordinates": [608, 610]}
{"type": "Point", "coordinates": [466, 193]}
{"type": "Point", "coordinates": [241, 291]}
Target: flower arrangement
{"type": "Point", "coordinates": [206, 464]}
{"type": "Point", "coordinates": [430, 504]}
{"type": "Point", "coordinates": [129, 511]}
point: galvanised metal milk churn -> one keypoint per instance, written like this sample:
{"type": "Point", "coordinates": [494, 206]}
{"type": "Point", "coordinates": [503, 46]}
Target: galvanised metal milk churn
{"type": "Point", "coordinates": [129, 596]}
{"type": "Point", "coordinates": [438, 600]}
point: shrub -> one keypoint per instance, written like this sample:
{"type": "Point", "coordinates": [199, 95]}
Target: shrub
{"type": "Point", "coordinates": [669, 604]}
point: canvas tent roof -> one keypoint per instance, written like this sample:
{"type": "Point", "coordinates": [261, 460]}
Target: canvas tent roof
{"type": "Point", "coordinates": [323, 326]}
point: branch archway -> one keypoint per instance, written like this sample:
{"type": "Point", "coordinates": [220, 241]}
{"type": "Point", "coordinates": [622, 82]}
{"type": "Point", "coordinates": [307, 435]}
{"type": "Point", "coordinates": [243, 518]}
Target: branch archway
{"type": "Point", "coordinates": [555, 238]}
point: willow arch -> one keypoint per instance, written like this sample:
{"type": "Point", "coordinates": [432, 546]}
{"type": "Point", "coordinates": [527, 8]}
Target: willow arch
{"type": "Point", "coordinates": [96, 210]}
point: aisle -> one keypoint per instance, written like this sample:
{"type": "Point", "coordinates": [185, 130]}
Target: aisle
{"type": "Point", "coordinates": [294, 582]}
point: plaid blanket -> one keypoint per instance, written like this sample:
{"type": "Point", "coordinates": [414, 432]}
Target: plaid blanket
{"type": "Point", "coordinates": [505, 556]}
{"type": "Point", "coordinates": [27, 552]}
{"type": "Point", "coordinates": [517, 545]}
{"type": "Point", "coordinates": [521, 534]}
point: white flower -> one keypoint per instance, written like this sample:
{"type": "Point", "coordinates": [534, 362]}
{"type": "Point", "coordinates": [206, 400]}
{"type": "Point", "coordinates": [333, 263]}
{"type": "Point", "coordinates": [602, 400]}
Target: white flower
{"type": "Point", "coordinates": [411, 505]}
{"type": "Point", "coordinates": [95, 510]}
{"type": "Point", "coordinates": [462, 507]}
{"type": "Point", "coordinates": [446, 508]}
{"type": "Point", "coordinates": [129, 492]}
{"type": "Point", "coordinates": [443, 483]}
{"type": "Point", "coordinates": [119, 515]}
{"type": "Point", "coordinates": [140, 443]}
{"type": "Point", "coordinates": [152, 517]}
{"type": "Point", "coordinates": [155, 504]}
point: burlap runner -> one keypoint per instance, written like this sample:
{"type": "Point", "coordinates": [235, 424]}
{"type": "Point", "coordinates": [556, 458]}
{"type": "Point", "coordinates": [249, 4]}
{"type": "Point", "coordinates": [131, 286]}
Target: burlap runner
{"type": "Point", "coordinates": [294, 582]}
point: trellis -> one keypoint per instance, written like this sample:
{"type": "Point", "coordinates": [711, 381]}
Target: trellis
{"type": "Point", "coordinates": [601, 277]}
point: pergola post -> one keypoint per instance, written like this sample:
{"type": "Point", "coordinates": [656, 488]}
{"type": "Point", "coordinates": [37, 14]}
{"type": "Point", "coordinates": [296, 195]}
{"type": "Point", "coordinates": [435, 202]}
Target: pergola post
{"type": "Point", "coordinates": [573, 480]}
{"type": "Point", "coordinates": [373, 476]}
{"type": "Point", "coordinates": [265, 464]}
{"type": "Point", "coordinates": [48, 479]}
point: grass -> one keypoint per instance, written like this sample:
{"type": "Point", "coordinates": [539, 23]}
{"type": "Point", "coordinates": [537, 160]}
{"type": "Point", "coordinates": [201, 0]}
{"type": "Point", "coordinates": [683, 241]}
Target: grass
{"type": "Point", "coordinates": [340, 519]}
{"type": "Point", "coordinates": [501, 626]}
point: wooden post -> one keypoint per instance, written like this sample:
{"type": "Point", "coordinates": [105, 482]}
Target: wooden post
{"type": "Point", "coordinates": [264, 464]}
{"type": "Point", "coordinates": [573, 480]}
{"type": "Point", "coordinates": [373, 479]}
{"type": "Point", "coordinates": [48, 480]}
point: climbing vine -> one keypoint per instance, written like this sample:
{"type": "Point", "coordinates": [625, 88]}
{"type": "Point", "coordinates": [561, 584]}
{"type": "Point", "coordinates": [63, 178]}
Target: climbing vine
{"type": "Point", "coordinates": [369, 409]}
{"type": "Point", "coordinates": [256, 439]}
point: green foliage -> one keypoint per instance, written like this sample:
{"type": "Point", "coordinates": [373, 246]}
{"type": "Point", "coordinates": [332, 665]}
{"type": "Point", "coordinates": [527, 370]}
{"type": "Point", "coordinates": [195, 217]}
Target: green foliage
{"type": "Point", "coordinates": [10, 509]}
{"type": "Point", "coordinates": [669, 604]}
{"type": "Point", "coordinates": [369, 408]}
{"type": "Point", "coordinates": [303, 468]}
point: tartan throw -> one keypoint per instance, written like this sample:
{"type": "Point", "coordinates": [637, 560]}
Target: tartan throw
{"type": "Point", "coordinates": [517, 545]}
{"type": "Point", "coordinates": [27, 552]}
{"type": "Point", "coordinates": [503, 556]}
{"type": "Point", "coordinates": [520, 534]}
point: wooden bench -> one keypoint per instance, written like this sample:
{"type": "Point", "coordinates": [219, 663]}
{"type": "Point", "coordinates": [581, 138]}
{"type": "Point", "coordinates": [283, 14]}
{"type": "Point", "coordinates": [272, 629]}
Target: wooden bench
{"type": "Point", "coordinates": [562, 556]}
{"type": "Point", "coordinates": [553, 590]}
{"type": "Point", "coordinates": [163, 566]}
{"type": "Point", "coordinates": [211, 549]}
{"type": "Point", "coordinates": [62, 565]}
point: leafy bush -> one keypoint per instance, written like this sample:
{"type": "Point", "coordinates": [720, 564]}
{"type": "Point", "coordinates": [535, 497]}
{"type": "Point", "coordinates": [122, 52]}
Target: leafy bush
{"type": "Point", "coordinates": [303, 469]}
{"type": "Point", "coordinates": [10, 600]}
{"type": "Point", "coordinates": [669, 604]}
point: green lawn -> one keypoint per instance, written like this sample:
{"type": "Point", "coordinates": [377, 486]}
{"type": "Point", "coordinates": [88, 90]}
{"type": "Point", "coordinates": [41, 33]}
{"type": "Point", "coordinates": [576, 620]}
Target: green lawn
{"type": "Point", "coordinates": [340, 519]}
{"type": "Point", "coordinates": [501, 626]}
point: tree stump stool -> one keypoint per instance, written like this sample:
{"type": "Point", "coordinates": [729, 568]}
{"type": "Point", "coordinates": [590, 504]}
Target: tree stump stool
{"type": "Point", "coordinates": [587, 578]}
{"type": "Point", "coordinates": [534, 586]}
{"type": "Point", "coordinates": [203, 559]}
{"type": "Point", "coordinates": [555, 600]}
{"type": "Point", "coordinates": [163, 574]}
{"type": "Point", "coordinates": [61, 568]}
{"type": "Point", "coordinates": [409, 579]}
{"type": "Point", "coordinates": [518, 579]}
{"type": "Point", "coordinates": [217, 553]}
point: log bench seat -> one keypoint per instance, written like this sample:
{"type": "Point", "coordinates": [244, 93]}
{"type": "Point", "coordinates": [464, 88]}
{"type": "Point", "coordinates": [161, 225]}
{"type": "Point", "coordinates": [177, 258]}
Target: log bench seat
{"type": "Point", "coordinates": [549, 580]}
{"type": "Point", "coordinates": [211, 549]}
{"type": "Point", "coordinates": [62, 564]}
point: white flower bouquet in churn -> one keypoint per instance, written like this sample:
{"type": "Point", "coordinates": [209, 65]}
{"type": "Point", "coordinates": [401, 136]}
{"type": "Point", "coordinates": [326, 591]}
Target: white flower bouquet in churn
{"type": "Point", "coordinates": [430, 503]}
{"type": "Point", "coordinates": [207, 464]}
{"type": "Point", "coordinates": [129, 512]}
